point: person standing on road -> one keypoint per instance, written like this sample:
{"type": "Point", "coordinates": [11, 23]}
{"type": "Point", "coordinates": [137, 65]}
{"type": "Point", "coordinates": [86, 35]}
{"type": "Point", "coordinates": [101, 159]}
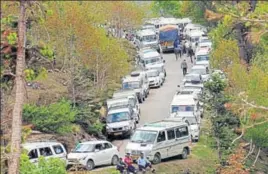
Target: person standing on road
{"type": "Point", "coordinates": [184, 67]}
{"type": "Point", "coordinates": [177, 48]}
{"type": "Point", "coordinates": [128, 161]}
{"type": "Point", "coordinates": [191, 53]}
{"type": "Point", "coordinates": [143, 163]}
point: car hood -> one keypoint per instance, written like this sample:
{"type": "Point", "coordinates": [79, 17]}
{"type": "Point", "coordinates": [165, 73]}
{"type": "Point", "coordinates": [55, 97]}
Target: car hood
{"type": "Point", "coordinates": [155, 65]}
{"type": "Point", "coordinates": [153, 78]}
{"type": "Point", "coordinates": [194, 127]}
{"type": "Point", "coordinates": [118, 124]}
{"type": "Point", "coordinates": [74, 155]}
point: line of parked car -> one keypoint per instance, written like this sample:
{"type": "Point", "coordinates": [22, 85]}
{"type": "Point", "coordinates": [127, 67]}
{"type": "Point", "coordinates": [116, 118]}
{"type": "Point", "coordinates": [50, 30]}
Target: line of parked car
{"type": "Point", "coordinates": [157, 140]}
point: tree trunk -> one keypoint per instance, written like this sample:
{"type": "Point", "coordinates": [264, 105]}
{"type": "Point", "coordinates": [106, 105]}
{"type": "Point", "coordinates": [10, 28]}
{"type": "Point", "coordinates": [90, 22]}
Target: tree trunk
{"type": "Point", "coordinates": [14, 163]}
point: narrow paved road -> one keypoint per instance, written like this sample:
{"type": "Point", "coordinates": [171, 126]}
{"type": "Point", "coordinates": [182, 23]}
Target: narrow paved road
{"type": "Point", "coordinates": [156, 106]}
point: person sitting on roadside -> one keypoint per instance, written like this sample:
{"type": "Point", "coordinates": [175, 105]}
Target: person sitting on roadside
{"type": "Point", "coordinates": [128, 161]}
{"type": "Point", "coordinates": [121, 166]}
{"type": "Point", "coordinates": [143, 163]}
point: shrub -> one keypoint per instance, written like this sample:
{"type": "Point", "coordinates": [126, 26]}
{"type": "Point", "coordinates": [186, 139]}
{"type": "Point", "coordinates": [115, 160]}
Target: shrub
{"type": "Point", "coordinates": [55, 118]}
{"type": "Point", "coordinates": [45, 166]}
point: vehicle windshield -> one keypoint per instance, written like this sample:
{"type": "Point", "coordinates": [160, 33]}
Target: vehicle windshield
{"type": "Point", "coordinates": [149, 38]}
{"type": "Point", "coordinates": [142, 136]}
{"type": "Point", "coordinates": [153, 73]}
{"type": "Point", "coordinates": [205, 40]}
{"type": "Point", "coordinates": [202, 58]}
{"type": "Point", "coordinates": [198, 71]}
{"type": "Point", "coordinates": [182, 108]}
{"type": "Point", "coordinates": [131, 85]}
{"type": "Point", "coordinates": [117, 117]}
{"type": "Point", "coordinates": [152, 60]}
{"type": "Point", "coordinates": [82, 148]}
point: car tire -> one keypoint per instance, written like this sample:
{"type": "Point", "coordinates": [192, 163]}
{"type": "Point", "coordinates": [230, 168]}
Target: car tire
{"type": "Point", "coordinates": [184, 153]}
{"type": "Point", "coordinates": [157, 158]}
{"type": "Point", "coordinates": [140, 100]}
{"type": "Point", "coordinates": [114, 160]}
{"type": "Point", "coordinates": [90, 165]}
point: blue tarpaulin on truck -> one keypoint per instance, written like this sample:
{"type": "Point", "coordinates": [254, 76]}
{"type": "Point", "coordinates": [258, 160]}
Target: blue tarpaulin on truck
{"type": "Point", "coordinates": [169, 35]}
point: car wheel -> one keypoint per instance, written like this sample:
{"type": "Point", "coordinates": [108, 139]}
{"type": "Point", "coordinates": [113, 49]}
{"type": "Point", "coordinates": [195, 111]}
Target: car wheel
{"type": "Point", "coordinates": [184, 153]}
{"type": "Point", "coordinates": [90, 165]}
{"type": "Point", "coordinates": [146, 94]}
{"type": "Point", "coordinates": [157, 158]}
{"type": "Point", "coordinates": [115, 160]}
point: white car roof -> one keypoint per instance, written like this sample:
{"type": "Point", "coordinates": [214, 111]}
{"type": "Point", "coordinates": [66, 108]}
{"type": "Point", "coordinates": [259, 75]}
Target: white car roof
{"type": "Point", "coordinates": [198, 67]}
{"type": "Point", "coordinates": [29, 146]}
{"type": "Point", "coordinates": [95, 142]}
{"type": "Point", "coordinates": [146, 32]}
{"type": "Point", "coordinates": [150, 54]}
{"type": "Point", "coordinates": [183, 100]}
{"type": "Point", "coordinates": [124, 93]}
{"type": "Point", "coordinates": [161, 125]}
{"type": "Point", "coordinates": [199, 85]}
{"type": "Point", "coordinates": [155, 65]}
{"type": "Point", "coordinates": [131, 79]}
{"type": "Point", "coordinates": [152, 70]}
{"type": "Point", "coordinates": [196, 33]}
{"type": "Point", "coordinates": [117, 110]}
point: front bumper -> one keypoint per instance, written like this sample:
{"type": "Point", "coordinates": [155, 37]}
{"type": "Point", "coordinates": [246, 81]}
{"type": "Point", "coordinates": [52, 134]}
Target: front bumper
{"type": "Point", "coordinates": [119, 133]}
{"type": "Point", "coordinates": [154, 84]}
{"type": "Point", "coordinates": [76, 162]}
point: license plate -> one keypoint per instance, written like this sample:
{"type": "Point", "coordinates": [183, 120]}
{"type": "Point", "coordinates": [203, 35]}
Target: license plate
{"type": "Point", "coordinates": [118, 133]}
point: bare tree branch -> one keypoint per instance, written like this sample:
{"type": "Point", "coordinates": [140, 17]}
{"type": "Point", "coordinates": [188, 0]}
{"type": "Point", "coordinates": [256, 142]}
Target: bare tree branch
{"type": "Point", "coordinates": [257, 157]}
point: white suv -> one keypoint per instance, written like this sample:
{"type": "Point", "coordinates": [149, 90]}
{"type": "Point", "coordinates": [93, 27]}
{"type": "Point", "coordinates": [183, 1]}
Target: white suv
{"type": "Point", "coordinates": [46, 149]}
{"type": "Point", "coordinates": [93, 153]}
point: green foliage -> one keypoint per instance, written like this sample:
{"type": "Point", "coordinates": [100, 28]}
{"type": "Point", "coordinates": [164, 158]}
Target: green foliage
{"type": "Point", "coordinates": [55, 118]}
{"type": "Point", "coordinates": [44, 166]}
{"type": "Point", "coordinates": [12, 38]}
{"type": "Point", "coordinates": [47, 52]}
{"type": "Point", "coordinates": [258, 134]}
{"type": "Point", "coordinates": [42, 74]}
{"type": "Point", "coordinates": [223, 121]}
{"type": "Point", "coordinates": [29, 74]}
{"type": "Point", "coordinates": [167, 8]}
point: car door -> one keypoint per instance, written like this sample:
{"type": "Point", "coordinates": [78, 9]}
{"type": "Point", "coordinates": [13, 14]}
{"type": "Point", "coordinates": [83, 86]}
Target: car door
{"type": "Point", "coordinates": [161, 144]}
{"type": "Point", "coordinates": [146, 82]}
{"type": "Point", "coordinates": [100, 155]}
{"type": "Point", "coordinates": [182, 138]}
{"type": "Point", "coordinates": [171, 143]}
{"type": "Point", "coordinates": [109, 152]}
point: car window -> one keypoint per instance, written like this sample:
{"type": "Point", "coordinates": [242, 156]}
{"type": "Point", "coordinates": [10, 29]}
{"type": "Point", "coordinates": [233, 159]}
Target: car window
{"type": "Point", "coordinates": [171, 134]}
{"type": "Point", "coordinates": [161, 136]}
{"type": "Point", "coordinates": [107, 145]}
{"type": "Point", "coordinates": [58, 149]}
{"type": "Point", "coordinates": [181, 132]}
{"type": "Point", "coordinates": [99, 147]}
{"type": "Point", "coordinates": [46, 151]}
{"type": "Point", "coordinates": [33, 154]}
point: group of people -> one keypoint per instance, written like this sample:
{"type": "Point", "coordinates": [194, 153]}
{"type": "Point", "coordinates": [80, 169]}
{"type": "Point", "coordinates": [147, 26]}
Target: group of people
{"type": "Point", "coordinates": [126, 164]}
{"type": "Point", "coordinates": [183, 47]}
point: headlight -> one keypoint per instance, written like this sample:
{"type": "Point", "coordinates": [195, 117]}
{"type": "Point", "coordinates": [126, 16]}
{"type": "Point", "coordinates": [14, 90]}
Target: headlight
{"type": "Point", "coordinates": [126, 127]}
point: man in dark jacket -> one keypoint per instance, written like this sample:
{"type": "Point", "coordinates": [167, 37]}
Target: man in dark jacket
{"type": "Point", "coordinates": [191, 53]}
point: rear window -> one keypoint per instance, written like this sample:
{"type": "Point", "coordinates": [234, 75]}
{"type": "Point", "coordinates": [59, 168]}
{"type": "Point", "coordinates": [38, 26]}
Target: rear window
{"type": "Point", "coordinates": [182, 109]}
{"type": "Point", "coordinates": [58, 149]}
{"type": "Point", "coordinates": [46, 151]}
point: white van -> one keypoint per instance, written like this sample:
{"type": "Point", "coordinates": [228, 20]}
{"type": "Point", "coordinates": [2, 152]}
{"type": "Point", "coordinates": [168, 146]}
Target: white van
{"type": "Point", "coordinates": [193, 37]}
{"type": "Point", "coordinates": [185, 103]}
{"type": "Point", "coordinates": [137, 81]}
{"type": "Point", "coordinates": [147, 38]}
{"type": "Point", "coordinates": [160, 140]}
{"type": "Point", "coordinates": [46, 149]}
{"type": "Point", "coordinates": [149, 58]}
